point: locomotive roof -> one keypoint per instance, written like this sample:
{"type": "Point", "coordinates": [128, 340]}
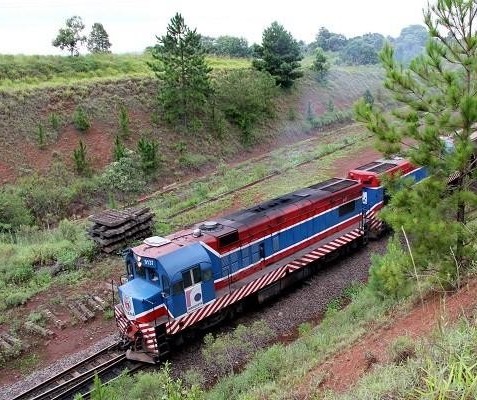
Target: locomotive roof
{"type": "Point", "coordinates": [233, 222]}
{"type": "Point", "coordinates": [320, 190]}
{"type": "Point", "coordinates": [378, 166]}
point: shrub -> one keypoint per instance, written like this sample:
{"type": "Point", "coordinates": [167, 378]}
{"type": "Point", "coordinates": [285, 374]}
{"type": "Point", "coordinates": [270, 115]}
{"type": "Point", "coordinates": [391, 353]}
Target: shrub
{"type": "Point", "coordinates": [123, 175]}
{"type": "Point", "coordinates": [119, 150]}
{"type": "Point", "coordinates": [79, 157]}
{"type": "Point", "coordinates": [156, 385]}
{"type": "Point", "coordinates": [192, 161]}
{"type": "Point", "coordinates": [46, 199]}
{"type": "Point", "coordinates": [16, 299]}
{"type": "Point", "coordinates": [54, 120]}
{"type": "Point", "coordinates": [148, 153]}
{"type": "Point", "coordinates": [368, 97]}
{"type": "Point", "coordinates": [13, 212]}
{"type": "Point", "coordinates": [245, 98]}
{"type": "Point", "coordinates": [333, 307]}
{"type": "Point", "coordinates": [305, 329]}
{"type": "Point", "coordinates": [69, 230]}
{"type": "Point", "coordinates": [41, 136]}
{"type": "Point", "coordinates": [81, 120]}
{"type": "Point", "coordinates": [123, 121]}
{"type": "Point", "coordinates": [228, 351]}
{"type": "Point", "coordinates": [389, 273]}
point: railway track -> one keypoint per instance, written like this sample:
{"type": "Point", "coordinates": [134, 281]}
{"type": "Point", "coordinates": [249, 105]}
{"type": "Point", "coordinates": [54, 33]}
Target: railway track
{"type": "Point", "coordinates": [107, 364]}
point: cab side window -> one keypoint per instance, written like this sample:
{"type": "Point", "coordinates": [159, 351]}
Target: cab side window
{"type": "Point", "coordinates": [140, 271]}
{"type": "Point", "coordinates": [192, 276]}
{"type": "Point", "coordinates": [153, 276]}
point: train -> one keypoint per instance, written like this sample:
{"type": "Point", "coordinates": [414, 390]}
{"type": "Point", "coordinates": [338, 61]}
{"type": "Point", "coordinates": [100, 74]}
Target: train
{"type": "Point", "coordinates": [194, 278]}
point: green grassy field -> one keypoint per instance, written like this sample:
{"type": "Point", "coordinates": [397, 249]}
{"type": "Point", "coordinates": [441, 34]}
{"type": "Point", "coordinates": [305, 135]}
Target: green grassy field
{"type": "Point", "coordinates": [21, 71]}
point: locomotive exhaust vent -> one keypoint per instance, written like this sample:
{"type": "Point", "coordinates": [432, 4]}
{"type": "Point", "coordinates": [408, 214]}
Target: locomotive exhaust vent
{"type": "Point", "coordinates": [210, 226]}
{"type": "Point", "coordinates": [156, 241]}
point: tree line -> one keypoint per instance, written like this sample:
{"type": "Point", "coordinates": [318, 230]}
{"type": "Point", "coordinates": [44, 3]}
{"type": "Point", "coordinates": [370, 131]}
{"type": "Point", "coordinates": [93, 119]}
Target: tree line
{"type": "Point", "coordinates": [359, 50]}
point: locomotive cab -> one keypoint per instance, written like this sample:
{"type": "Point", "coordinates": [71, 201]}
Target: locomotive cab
{"type": "Point", "coordinates": [187, 279]}
{"type": "Point", "coordinates": [165, 281]}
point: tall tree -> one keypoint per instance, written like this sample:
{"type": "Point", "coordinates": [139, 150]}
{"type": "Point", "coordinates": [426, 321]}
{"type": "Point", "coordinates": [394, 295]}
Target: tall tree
{"type": "Point", "coordinates": [231, 46]}
{"type": "Point", "coordinates": [329, 41]}
{"type": "Point", "coordinates": [98, 40]}
{"type": "Point", "coordinates": [70, 37]}
{"type": "Point", "coordinates": [410, 43]}
{"type": "Point", "coordinates": [359, 52]}
{"type": "Point", "coordinates": [438, 98]}
{"type": "Point", "coordinates": [320, 64]}
{"type": "Point", "coordinates": [279, 55]}
{"type": "Point", "coordinates": [182, 69]}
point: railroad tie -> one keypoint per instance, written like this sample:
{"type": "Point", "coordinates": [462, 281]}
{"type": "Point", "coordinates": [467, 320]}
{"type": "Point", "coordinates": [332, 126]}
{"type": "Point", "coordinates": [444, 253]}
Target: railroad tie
{"type": "Point", "coordinates": [8, 348]}
{"type": "Point", "coordinates": [53, 318]}
{"type": "Point", "coordinates": [14, 341]}
{"type": "Point", "coordinates": [34, 328]}
{"type": "Point", "coordinates": [93, 304]}
{"type": "Point", "coordinates": [85, 310]}
{"type": "Point", "coordinates": [77, 313]}
{"type": "Point", "coordinates": [100, 301]}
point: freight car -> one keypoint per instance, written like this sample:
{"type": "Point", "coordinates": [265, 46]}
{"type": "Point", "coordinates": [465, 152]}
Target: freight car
{"type": "Point", "coordinates": [196, 277]}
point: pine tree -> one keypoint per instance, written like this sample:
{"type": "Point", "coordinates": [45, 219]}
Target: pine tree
{"type": "Point", "coordinates": [437, 98]}
{"type": "Point", "coordinates": [148, 153]}
{"type": "Point", "coordinates": [98, 40]}
{"type": "Point", "coordinates": [80, 159]}
{"type": "Point", "coordinates": [123, 121]}
{"type": "Point", "coordinates": [320, 64]}
{"type": "Point", "coordinates": [279, 55]}
{"type": "Point", "coordinates": [182, 71]}
{"type": "Point", "coordinates": [119, 150]}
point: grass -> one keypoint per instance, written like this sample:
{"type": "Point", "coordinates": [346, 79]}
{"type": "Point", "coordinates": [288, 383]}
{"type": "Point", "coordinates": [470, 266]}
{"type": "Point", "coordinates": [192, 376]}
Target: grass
{"type": "Point", "coordinates": [27, 260]}
{"type": "Point", "coordinates": [21, 71]}
{"type": "Point", "coordinates": [25, 364]}
{"type": "Point", "coordinates": [443, 367]}
{"type": "Point", "coordinates": [277, 369]}
{"type": "Point", "coordinates": [201, 193]}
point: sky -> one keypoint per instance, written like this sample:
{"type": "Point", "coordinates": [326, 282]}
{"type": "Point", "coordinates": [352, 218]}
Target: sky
{"type": "Point", "coordinates": [29, 26]}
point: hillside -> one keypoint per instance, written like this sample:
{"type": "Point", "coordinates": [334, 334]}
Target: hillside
{"type": "Point", "coordinates": [325, 352]}
{"type": "Point", "coordinates": [24, 109]}
{"type": "Point", "coordinates": [201, 165]}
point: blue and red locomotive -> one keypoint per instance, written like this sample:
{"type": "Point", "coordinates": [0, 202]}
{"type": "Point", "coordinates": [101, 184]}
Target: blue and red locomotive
{"type": "Point", "coordinates": [195, 277]}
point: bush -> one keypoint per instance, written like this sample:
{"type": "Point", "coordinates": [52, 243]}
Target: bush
{"type": "Point", "coordinates": [123, 121]}
{"type": "Point", "coordinates": [246, 98]}
{"type": "Point", "coordinates": [226, 352]}
{"type": "Point", "coordinates": [79, 156]}
{"type": "Point", "coordinates": [41, 136]}
{"type": "Point", "coordinates": [69, 230]}
{"type": "Point", "coordinates": [45, 198]}
{"type": "Point", "coordinates": [192, 161]}
{"type": "Point", "coordinates": [389, 273]}
{"type": "Point", "coordinates": [13, 212]}
{"type": "Point", "coordinates": [119, 150]}
{"type": "Point", "coordinates": [402, 349]}
{"type": "Point", "coordinates": [80, 119]}
{"type": "Point", "coordinates": [123, 175]}
{"type": "Point", "coordinates": [54, 120]}
{"type": "Point", "coordinates": [148, 153]}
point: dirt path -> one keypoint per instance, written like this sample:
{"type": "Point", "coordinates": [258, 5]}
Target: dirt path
{"type": "Point", "coordinates": [343, 370]}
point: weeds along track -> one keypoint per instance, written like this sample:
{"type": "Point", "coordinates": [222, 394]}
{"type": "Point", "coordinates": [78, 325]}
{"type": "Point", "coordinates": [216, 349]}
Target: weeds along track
{"type": "Point", "coordinates": [107, 364]}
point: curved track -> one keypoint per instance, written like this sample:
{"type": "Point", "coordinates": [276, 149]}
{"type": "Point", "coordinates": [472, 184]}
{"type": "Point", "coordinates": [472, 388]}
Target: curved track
{"type": "Point", "coordinates": [107, 364]}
